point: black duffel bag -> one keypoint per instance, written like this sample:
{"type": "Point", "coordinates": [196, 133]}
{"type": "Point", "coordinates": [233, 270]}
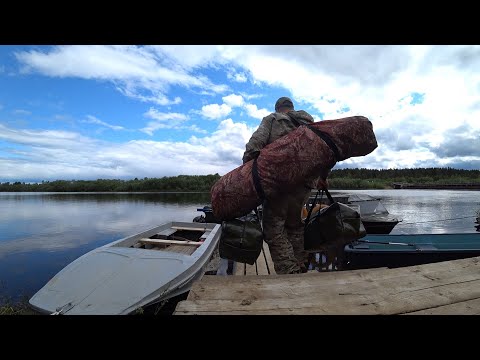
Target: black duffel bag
{"type": "Point", "coordinates": [337, 224]}
{"type": "Point", "coordinates": [241, 239]}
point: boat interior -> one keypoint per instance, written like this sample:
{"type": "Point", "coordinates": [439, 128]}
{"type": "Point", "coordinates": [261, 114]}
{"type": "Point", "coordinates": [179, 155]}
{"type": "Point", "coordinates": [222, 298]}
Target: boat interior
{"type": "Point", "coordinates": [179, 239]}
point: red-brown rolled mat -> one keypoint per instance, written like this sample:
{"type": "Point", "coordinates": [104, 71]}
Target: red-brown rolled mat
{"type": "Point", "coordinates": [289, 161]}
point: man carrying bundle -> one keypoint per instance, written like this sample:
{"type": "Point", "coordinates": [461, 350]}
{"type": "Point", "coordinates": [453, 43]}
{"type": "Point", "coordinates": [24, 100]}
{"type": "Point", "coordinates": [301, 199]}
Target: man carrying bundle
{"type": "Point", "coordinates": [282, 223]}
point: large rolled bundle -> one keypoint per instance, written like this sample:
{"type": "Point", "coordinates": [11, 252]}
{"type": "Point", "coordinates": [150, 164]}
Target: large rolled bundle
{"type": "Point", "coordinates": [289, 161]}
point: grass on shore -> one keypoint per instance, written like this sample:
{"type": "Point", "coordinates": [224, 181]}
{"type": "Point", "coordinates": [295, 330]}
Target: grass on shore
{"type": "Point", "coordinates": [22, 307]}
{"type": "Point", "coordinates": [18, 308]}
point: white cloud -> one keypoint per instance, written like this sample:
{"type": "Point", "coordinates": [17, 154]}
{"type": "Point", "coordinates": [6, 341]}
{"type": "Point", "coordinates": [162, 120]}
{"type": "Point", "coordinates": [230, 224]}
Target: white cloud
{"type": "Point", "coordinates": [215, 111]}
{"type": "Point", "coordinates": [240, 77]}
{"type": "Point", "coordinates": [133, 69]}
{"type": "Point", "coordinates": [157, 98]}
{"type": "Point", "coordinates": [50, 155]}
{"type": "Point", "coordinates": [371, 81]}
{"type": "Point", "coordinates": [196, 129]}
{"type": "Point", "coordinates": [330, 81]}
{"type": "Point", "coordinates": [160, 116]}
{"type": "Point", "coordinates": [45, 138]}
{"type": "Point", "coordinates": [233, 100]}
{"type": "Point", "coordinates": [190, 56]}
{"type": "Point", "coordinates": [93, 120]}
{"type": "Point", "coordinates": [251, 96]}
{"type": "Point", "coordinates": [256, 113]}
{"type": "Point", "coordinates": [22, 112]}
{"type": "Point", "coordinates": [228, 143]}
{"type": "Point", "coordinates": [162, 121]}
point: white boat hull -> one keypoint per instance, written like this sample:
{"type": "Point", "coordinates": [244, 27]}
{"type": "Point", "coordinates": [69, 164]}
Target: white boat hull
{"type": "Point", "coordinates": [120, 277]}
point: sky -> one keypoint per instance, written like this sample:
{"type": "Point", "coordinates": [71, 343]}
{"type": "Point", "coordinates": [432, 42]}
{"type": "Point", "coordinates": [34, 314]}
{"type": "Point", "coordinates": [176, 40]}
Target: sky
{"type": "Point", "coordinates": [85, 112]}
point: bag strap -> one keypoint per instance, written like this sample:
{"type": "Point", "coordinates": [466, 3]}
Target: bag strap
{"type": "Point", "coordinates": [256, 180]}
{"type": "Point", "coordinates": [311, 208]}
{"type": "Point", "coordinates": [329, 196]}
{"type": "Point", "coordinates": [333, 201]}
{"type": "Point", "coordinates": [259, 220]}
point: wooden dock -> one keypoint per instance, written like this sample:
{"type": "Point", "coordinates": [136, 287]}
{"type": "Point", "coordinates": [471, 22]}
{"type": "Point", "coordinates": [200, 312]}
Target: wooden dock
{"type": "Point", "coordinates": [263, 265]}
{"type": "Point", "coordinates": [451, 287]}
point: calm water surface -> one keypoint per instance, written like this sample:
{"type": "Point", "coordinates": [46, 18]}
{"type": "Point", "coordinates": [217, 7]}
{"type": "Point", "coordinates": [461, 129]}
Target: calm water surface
{"type": "Point", "coordinates": [40, 233]}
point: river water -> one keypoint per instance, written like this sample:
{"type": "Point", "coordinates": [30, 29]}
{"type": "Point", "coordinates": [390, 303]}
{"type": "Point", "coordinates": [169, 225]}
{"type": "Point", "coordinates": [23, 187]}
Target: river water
{"type": "Point", "coordinates": [40, 233]}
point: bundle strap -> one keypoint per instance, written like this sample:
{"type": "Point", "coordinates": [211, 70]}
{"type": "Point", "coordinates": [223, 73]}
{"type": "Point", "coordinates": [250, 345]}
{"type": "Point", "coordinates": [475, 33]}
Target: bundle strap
{"type": "Point", "coordinates": [328, 140]}
{"type": "Point", "coordinates": [256, 180]}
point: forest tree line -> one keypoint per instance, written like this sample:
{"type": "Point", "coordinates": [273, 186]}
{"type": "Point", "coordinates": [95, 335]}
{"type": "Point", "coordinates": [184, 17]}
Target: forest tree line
{"type": "Point", "coordinates": [338, 179]}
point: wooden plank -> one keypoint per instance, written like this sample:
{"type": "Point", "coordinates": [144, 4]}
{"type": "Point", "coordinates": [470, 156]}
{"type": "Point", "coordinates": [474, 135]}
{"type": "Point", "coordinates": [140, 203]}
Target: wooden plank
{"type": "Point", "coordinates": [369, 291]}
{"type": "Point", "coordinates": [215, 287]}
{"type": "Point", "coordinates": [189, 250]}
{"type": "Point", "coordinates": [262, 268]}
{"type": "Point", "coordinates": [319, 283]}
{"type": "Point", "coordinates": [469, 307]}
{"type": "Point", "coordinates": [190, 228]}
{"type": "Point", "coordinates": [336, 305]}
{"type": "Point", "coordinates": [258, 268]}
{"type": "Point", "coordinates": [239, 269]}
{"type": "Point", "coordinates": [251, 269]}
{"type": "Point", "coordinates": [167, 232]}
{"type": "Point", "coordinates": [263, 265]}
{"type": "Point", "coordinates": [169, 242]}
{"type": "Point", "coordinates": [270, 266]}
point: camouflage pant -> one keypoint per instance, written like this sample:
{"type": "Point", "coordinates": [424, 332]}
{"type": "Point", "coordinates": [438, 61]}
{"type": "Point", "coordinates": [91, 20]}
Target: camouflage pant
{"type": "Point", "coordinates": [283, 229]}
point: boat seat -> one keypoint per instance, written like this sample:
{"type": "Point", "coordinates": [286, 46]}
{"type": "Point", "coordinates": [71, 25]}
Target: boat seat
{"type": "Point", "coordinates": [167, 232]}
{"type": "Point", "coordinates": [183, 249]}
{"type": "Point", "coordinates": [170, 242]}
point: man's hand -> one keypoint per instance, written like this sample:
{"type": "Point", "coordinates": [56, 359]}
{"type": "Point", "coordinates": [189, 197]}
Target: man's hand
{"type": "Point", "coordinates": [322, 184]}
{"type": "Point", "coordinates": [247, 157]}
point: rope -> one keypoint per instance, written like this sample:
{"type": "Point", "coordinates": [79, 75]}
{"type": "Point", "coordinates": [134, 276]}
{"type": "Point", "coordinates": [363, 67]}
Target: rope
{"type": "Point", "coordinates": [62, 310]}
{"type": "Point", "coordinates": [422, 222]}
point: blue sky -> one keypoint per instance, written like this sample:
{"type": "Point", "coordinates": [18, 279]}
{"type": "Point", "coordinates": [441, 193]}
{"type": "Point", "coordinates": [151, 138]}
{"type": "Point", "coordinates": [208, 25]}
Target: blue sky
{"type": "Point", "coordinates": [89, 112]}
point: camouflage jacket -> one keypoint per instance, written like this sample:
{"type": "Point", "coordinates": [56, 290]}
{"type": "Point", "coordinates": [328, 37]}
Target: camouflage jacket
{"type": "Point", "coordinates": [273, 127]}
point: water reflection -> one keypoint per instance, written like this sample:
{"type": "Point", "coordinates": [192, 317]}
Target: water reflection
{"type": "Point", "coordinates": [430, 211]}
{"type": "Point", "coordinates": [40, 233]}
{"type": "Point", "coordinates": [61, 221]}
{"type": "Point", "coordinates": [168, 198]}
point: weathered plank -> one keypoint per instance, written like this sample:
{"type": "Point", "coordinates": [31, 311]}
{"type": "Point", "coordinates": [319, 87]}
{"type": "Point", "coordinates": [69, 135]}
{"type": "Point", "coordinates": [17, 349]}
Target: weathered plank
{"type": "Point", "coordinates": [369, 291]}
{"type": "Point", "coordinates": [251, 269]}
{"type": "Point", "coordinates": [189, 250]}
{"type": "Point", "coordinates": [304, 287]}
{"type": "Point", "coordinates": [170, 242]}
{"type": "Point", "coordinates": [266, 249]}
{"type": "Point", "coordinates": [263, 265]}
{"type": "Point", "coordinates": [167, 232]}
{"type": "Point", "coordinates": [240, 269]}
{"type": "Point", "coordinates": [189, 228]}
{"type": "Point", "coordinates": [469, 307]}
{"type": "Point", "coordinates": [349, 304]}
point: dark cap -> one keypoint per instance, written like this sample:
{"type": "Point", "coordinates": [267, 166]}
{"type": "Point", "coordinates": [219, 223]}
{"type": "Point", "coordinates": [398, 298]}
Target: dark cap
{"type": "Point", "coordinates": [284, 102]}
